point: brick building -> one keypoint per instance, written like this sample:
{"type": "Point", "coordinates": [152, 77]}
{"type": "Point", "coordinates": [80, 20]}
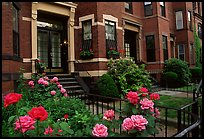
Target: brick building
{"type": "Point", "coordinates": [57, 32]}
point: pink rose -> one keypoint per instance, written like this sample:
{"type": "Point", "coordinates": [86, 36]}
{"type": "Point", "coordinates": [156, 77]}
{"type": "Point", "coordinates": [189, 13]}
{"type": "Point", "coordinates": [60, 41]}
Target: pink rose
{"type": "Point", "coordinates": [53, 92]}
{"type": "Point", "coordinates": [146, 103]}
{"type": "Point", "coordinates": [127, 124]}
{"type": "Point", "coordinates": [109, 115]}
{"type": "Point", "coordinates": [156, 112]}
{"type": "Point", "coordinates": [100, 130]}
{"type": "Point", "coordinates": [139, 122]}
{"type": "Point", "coordinates": [55, 79]}
{"type": "Point", "coordinates": [57, 83]}
{"type": "Point", "coordinates": [66, 95]}
{"type": "Point", "coordinates": [41, 81]}
{"type": "Point", "coordinates": [154, 96]}
{"type": "Point", "coordinates": [26, 123]}
{"type": "Point", "coordinates": [62, 90]}
{"type": "Point", "coordinates": [59, 86]}
{"type": "Point", "coordinates": [132, 97]}
{"type": "Point", "coordinates": [46, 78]}
{"type": "Point", "coordinates": [48, 130]}
{"type": "Point", "coordinates": [31, 83]}
{"type": "Point", "coordinates": [46, 83]}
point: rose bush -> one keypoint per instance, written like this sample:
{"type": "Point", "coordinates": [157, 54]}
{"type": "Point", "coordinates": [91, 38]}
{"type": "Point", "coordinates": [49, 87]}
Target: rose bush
{"type": "Point", "coordinates": [42, 107]}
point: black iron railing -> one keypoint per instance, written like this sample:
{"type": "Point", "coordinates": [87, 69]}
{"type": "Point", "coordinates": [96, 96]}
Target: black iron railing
{"type": "Point", "coordinates": [170, 127]}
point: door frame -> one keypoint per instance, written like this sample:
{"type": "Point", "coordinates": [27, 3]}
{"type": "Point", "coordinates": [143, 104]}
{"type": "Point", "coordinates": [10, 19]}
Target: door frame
{"type": "Point", "coordinates": [59, 8]}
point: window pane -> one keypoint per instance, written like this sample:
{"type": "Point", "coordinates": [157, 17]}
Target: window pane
{"type": "Point", "coordinates": [165, 48]}
{"type": "Point", "coordinates": [150, 48]}
{"type": "Point", "coordinates": [87, 34]}
{"type": "Point", "coordinates": [181, 52]}
{"type": "Point", "coordinates": [179, 20]}
{"type": "Point", "coordinates": [148, 10]}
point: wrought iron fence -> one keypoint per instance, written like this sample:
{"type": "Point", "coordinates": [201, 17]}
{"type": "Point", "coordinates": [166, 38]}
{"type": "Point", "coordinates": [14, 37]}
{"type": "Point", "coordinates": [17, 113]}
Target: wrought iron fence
{"type": "Point", "coordinates": [170, 127]}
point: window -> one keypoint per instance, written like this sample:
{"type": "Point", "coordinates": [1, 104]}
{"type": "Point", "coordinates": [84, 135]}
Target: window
{"type": "Point", "coordinates": [87, 35]}
{"type": "Point", "coordinates": [179, 20]}
{"type": "Point", "coordinates": [150, 48]}
{"type": "Point", "coordinates": [199, 30]}
{"type": "Point", "coordinates": [190, 20]}
{"type": "Point", "coordinates": [199, 8]}
{"type": "Point", "coordinates": [127, 50]}
{"type": "Point", "coordinates": [148, 8]}
{"type": "Point", "coordinates": [194, 5]}
{"type": "Point", "coordinates": [128, 7]}
{"type": "Point", "coordinates": [192, 56]}
{"type": "Point", "coordinates": [181, 52]}
{"type": "Point", "coordinates": [110, 30]}
{"type": "Point", "coordinates": [165, 48]}
{"type": "Point", "coordinates": [162, 9]}
{"type": "Point", "coordinates": [15, 20]}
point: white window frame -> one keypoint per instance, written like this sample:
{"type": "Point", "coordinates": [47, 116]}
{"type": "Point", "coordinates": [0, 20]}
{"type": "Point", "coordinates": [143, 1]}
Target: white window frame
{"type": "Point", "coordinates": [181, 53]}
{"type": "Point", "coordinates": [179, 20]}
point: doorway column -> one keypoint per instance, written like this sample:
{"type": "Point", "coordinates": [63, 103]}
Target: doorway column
{"type": "Point", "coordinates": [34, 34]}
{"type": "Point", "coordinates": [71, 52]}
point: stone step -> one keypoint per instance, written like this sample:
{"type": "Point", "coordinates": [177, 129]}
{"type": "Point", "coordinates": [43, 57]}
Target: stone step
{"type": "Point", "coordinates": [66, 79]}
{"type": "Point", "coordinates": [68, 82]}
{"type": "Point", "coordinates": [72, 87]}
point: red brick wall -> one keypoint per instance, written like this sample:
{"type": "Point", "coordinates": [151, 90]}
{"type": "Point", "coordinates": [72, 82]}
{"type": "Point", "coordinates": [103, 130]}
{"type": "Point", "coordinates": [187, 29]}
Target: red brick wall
{"type": "Point", "coordinates": [11, 67]}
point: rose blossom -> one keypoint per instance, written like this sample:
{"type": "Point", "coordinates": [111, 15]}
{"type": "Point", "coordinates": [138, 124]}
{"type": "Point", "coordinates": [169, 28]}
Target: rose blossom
{"type": "Point", "coordinates": [31, 83]}
{"type": "Point", "coordinates": [11, 98]}
{"type": "Point", "coordinates": [38, 113]}
{"type": "Point", "coordinates": [156, 112]}
{"type": "Point", "coordinates": [46, 83]}
{"type": "Point", "coordinates": [143, 89]}
{"type": "Point", "coordinates": [146, 103]}
{"type": "Point", "coordinates": [59, 86]}
{"type": "Point", "coordinates": [57, 83]}
{"type": "Point", "coordinates": [139, 122]}
{"type": "Point", "coordinates": [53, 92]}
{"type": "Point", "coordinates": [41, 81]}
{"type": "Point", "coordinates": [132, 97]}
{"type": "Point", "coordinates": [109, 115]}
{"type": "Point", "coordinates": [127, 124]}
{"type": "Point", "coordinates": [66, 95]}
{"type": "Point", "coordinates": [65, 116]}
{"type": "Point", "coordinates": [26, 123]}
{"type": "Point", "coordinates": [100, 130]}
{"type": "Point", "coordinates": [62, 90]}
{"type": "Point", "coordinates": [46, 78]}
{"type": "Point", "coordinates": [154, 96]}
{"type": "Point", "coordinates": [48, 130]}
{"type": "Point", "coordinates": [54, 79]}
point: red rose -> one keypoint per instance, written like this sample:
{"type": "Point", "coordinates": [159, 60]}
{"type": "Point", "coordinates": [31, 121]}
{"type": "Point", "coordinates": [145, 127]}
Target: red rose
{"type": "Point", "coordinates": [154, 96]}
{"type": "Point", "coordinates": [38, 113]}
{"type": "Point", "coordinates": [11, 98]}
{"type": "Point", "coordinates": [65, 116]}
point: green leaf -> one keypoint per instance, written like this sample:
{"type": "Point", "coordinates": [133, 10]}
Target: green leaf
{"type": "Point", "coordinates": [134, 110]}
{"type": "Point", "coordinates": [64, 126]}
{"type": "Point", "coordinates": [11, 119]}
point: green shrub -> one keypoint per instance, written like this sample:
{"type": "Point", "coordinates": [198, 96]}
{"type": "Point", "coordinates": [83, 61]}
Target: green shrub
{"type": "Point", "coordinates": [169, 79]}
{"type": "Point", "coordinates": [107, 86]}
{"type": "Point", "coordinates": [127, 75]}
{"type": "Point", "coordinates": [180, 67]}
{"type": "Point", "coordinates": [196, 73]}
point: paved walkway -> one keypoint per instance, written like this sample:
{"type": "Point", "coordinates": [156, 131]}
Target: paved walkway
{"type": "Point", "coordinates": [175, 93]}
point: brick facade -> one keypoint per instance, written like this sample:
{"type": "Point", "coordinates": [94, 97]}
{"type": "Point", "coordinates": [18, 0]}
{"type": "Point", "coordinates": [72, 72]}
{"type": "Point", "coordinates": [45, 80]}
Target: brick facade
{"type": "Point", "coordinates": [136, 22]}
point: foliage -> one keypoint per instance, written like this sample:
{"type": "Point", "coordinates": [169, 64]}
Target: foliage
{"type": "Point", "coordinates": [69, 117]}
{"type": "Point", "coordinates": [86, 53]}
{"type": "Point", "coordinates": [169, 78]}
{"type": "Point", "coordinates": [113, 54]}
{"type": "Point", "coordinates": [127, 75]}
{"type": "Point", "coordinates": [107, 86]}
{"type": "Point", "coordinates": [180, 67]}
{"type": "Point", "coordinates": [196, 73]}
{"type": "Point", "coordinates": [40, 66]}
{"type": "Point", "coordinates": [198, 48]}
